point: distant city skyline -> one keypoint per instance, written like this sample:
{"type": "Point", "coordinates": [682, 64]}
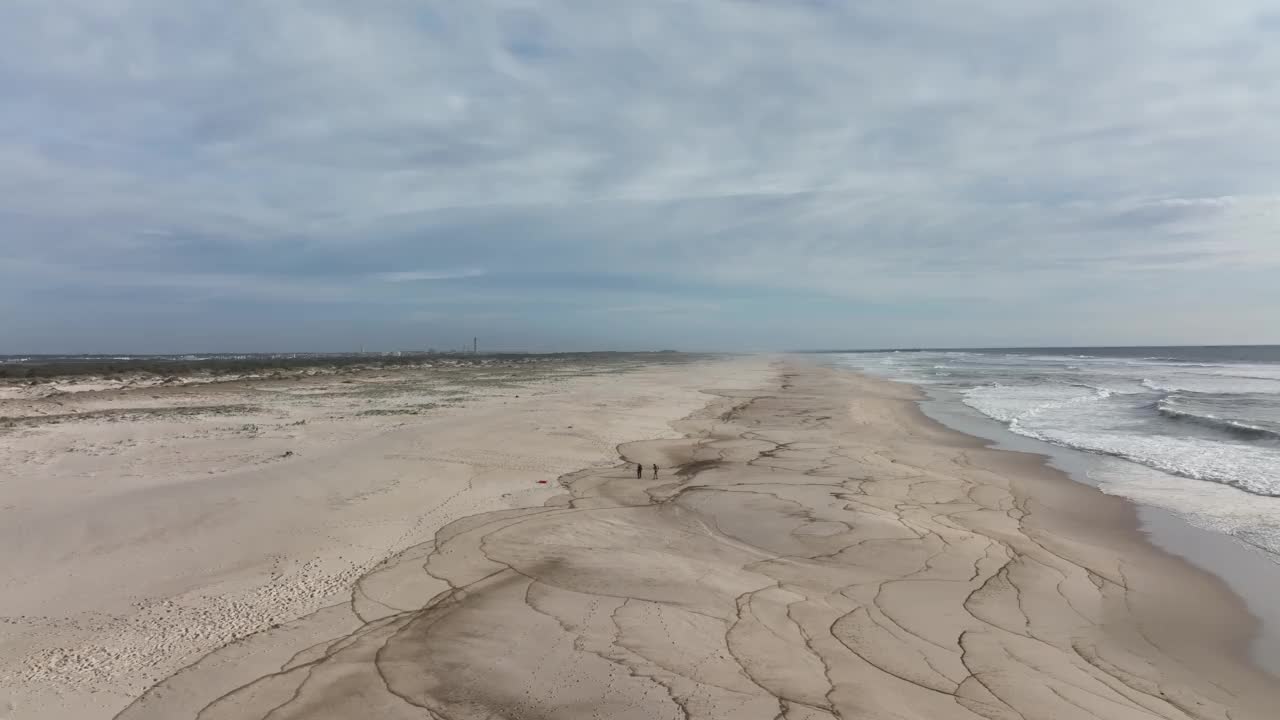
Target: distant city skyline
{"type": "Point", "coordinates": [719, 175]}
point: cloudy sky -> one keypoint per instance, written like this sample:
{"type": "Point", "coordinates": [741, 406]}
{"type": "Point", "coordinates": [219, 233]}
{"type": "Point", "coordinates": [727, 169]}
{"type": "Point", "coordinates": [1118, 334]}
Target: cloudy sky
{"type": "Point", "coordinates": [736, 174]}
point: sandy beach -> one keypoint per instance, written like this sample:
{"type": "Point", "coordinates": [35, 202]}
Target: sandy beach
{"type": "Point", "coordinates": [145, 524]}
{"type": "Point", "coordinates": [811, 546]}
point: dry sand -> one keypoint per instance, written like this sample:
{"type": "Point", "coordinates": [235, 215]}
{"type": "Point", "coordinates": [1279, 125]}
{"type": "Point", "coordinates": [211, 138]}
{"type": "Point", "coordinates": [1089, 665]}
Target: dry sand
{"type": "Point", "coordinates": [814, 547]}
{"type": "Point", "coordinates": [142, 526]}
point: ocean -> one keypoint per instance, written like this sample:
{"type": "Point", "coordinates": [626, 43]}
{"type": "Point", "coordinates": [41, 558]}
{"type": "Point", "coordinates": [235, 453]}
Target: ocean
{"type": "Point", "coordinates": [1192, 430]}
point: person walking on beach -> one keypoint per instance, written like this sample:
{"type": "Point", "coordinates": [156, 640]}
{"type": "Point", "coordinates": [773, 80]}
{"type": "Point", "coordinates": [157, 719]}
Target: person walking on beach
{"type": "Point", "coordinates": [655, 469]}
{"type": "Point", "coordinates": [639, 470]}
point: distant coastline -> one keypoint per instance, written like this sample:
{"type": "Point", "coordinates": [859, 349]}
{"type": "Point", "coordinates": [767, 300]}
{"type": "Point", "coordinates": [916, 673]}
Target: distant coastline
{"type": "Point", "coordinates": [1105, 350]}
{"type": "Point", "coordinates": [35, 366]}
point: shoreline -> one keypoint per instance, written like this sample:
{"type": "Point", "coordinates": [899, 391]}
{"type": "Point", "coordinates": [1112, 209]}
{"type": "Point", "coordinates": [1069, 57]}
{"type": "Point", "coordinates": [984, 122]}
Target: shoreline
{"type": "Point", "coordinates": [1250, 572]}
{"type": "Point", "coordinates": [1158, 530]}
{"type": "Point", "coordinates": [815, 547]}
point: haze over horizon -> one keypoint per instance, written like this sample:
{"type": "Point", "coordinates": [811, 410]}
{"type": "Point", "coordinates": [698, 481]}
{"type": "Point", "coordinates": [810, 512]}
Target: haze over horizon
{"type": "Point", "coordinates": [718, 175]}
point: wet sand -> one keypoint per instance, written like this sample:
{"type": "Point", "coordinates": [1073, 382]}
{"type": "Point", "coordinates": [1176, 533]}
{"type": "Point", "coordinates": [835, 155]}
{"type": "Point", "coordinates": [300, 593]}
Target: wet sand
{"type": "Point", "coordinates": [1252, 573]}
{"type": "Point", "coordinates": [814, 547]}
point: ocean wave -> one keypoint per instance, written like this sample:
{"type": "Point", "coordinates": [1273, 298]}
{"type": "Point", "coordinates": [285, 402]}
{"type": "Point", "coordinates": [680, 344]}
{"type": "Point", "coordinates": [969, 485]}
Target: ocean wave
{"type": "Point", "coordinates": [1073, 416]}
{"type": "Point", "coordinates": [1271, 378]}
{"type": "Point", "coordinates": [1168, 408]}
{"type": "Point", "coordinates": [1014, 403]}
{"type": "Point", "coordinates": [1207, 505]}
{"type": "Point", "coordinates": [1208, 422]}
{"type": "Point", "coordinates": [1208, 466]}
{"type": "Point", "coordinates": [1213, 384]}
{"type": "Point", "coordinates": [1175, 362]}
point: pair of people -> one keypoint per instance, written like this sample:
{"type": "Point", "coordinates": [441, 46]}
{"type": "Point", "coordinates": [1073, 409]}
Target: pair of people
{"type": "Point", "coordinates": [640, 470]}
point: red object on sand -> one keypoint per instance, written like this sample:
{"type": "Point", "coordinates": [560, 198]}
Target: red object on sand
{"type": "Point", "coordinates": [542, 482]}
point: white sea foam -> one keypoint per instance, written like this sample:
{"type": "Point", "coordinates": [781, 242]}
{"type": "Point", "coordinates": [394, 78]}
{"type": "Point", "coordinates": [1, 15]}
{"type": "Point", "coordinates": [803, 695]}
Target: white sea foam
{"type": "Point", "coordinates": [1193, 436]}
{"type": "Point", "coordinates": [1210, 506]}
{"type": "Point", "coordinates": [1014, 404]}
{"type": "Point", "coordinates": [1211, 384]}
{"type": "Point", "coordinates": [1080, 418]}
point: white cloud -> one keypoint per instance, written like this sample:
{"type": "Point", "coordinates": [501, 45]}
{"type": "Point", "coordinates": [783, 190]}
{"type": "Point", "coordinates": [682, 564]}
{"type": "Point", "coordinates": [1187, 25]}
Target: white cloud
{"type": "Point", "coordinates": [419, 275]}
{"type": "Point", "coordinates": [866, 151]}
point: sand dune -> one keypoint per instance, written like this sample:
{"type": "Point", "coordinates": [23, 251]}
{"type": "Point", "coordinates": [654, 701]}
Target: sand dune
{"type": "Point", "coordinates": [814, 548]}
